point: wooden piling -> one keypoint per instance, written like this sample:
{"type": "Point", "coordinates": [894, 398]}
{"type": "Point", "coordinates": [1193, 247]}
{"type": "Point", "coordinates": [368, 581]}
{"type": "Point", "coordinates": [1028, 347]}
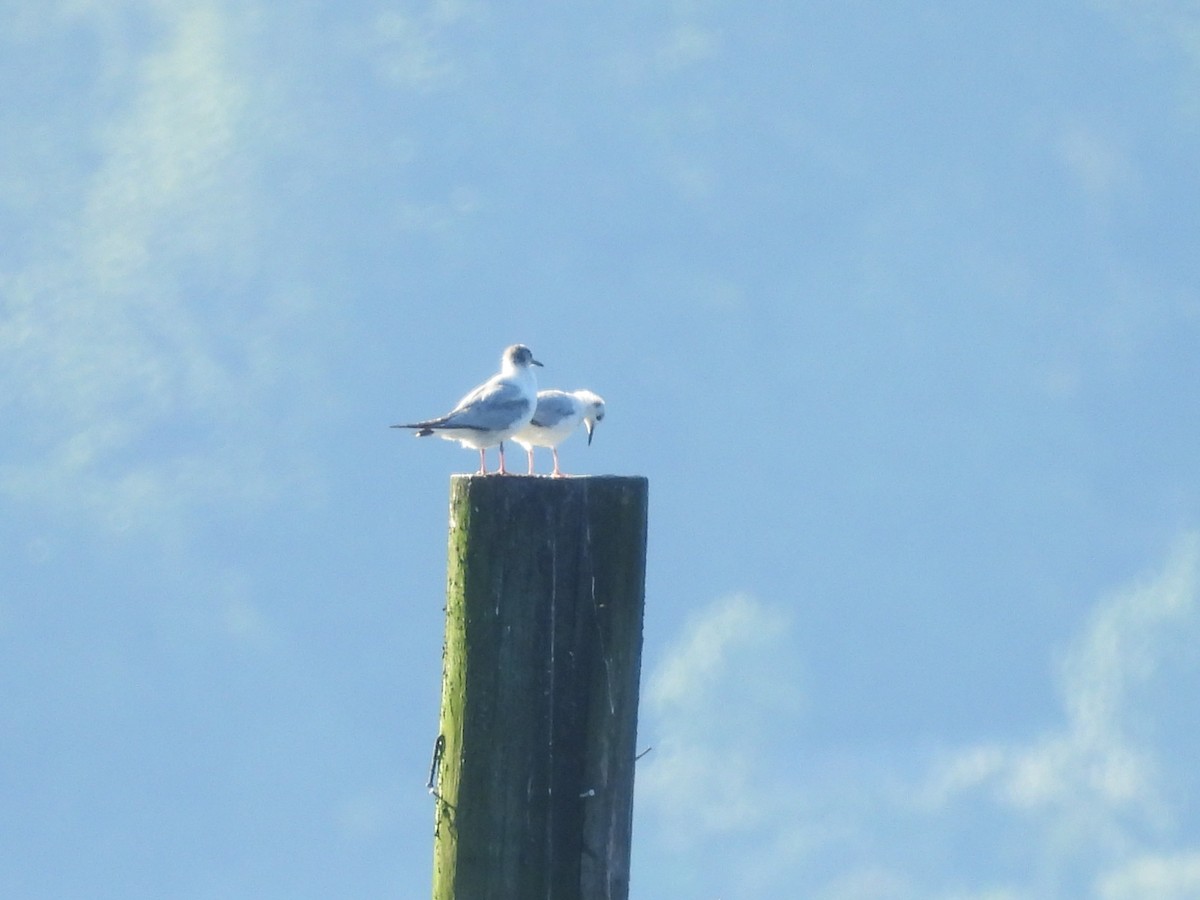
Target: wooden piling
{"type": "Point", "coordinates": [541, 664]}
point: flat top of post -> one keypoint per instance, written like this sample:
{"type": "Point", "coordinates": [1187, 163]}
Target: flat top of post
{"type": "Point", "coordinates": [548, 479]}
{"type": "Point", "coordinates": [589, 488]}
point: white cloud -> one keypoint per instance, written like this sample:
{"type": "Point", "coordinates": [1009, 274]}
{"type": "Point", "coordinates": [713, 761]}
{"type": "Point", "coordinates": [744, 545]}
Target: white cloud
{"type": "Point", "coordinates": [709, 699]}
{"type": "Point", "coordinates": [687, 45]}
{"type": "Point", "coordinates": [1084, 806]}
{"type": "Point", "coordinates": [869, 884]}
{"type": "Point", "coordinates": [244, 623]}
{"type": "Point", "coordinates": [134, 371]}
{"type": "Point", "coordinates": [1090, 792]}
{"type": "Point", "coordinates": [409, 50]}
{"type": "Point", "coordinates": [1161, 877]}
{"type": "Point", "coordinates": [1093, 772]}
{"type": "Point", "coordinates": [1175, 22]}
{"type": "Point", "coordinates": [1095, 161]}
{"type": "Point", "coordinates": [695, 666]}
{"type": "Point", "coordinates": [1172, 28]}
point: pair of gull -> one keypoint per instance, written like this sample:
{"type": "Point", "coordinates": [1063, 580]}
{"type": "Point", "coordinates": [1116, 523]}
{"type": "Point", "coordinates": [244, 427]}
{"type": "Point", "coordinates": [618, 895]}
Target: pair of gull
{"type": "Point", "coordinates": [509, 405]}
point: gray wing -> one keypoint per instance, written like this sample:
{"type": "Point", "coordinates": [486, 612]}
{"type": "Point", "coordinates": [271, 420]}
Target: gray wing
{"type": "Point", "coordinates": [552, 408]}
{"type": "Point", "coordinates": [494, 404]}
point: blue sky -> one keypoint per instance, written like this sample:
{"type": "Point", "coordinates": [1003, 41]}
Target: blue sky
{"type": "Point", "coordinates": [897, 306]}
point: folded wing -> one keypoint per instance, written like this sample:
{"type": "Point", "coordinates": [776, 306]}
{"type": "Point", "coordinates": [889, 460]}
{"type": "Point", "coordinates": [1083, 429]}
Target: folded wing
{"type": "Point", "coordinates": [553, 408]}
{"type": "Point", "coordinates": [494, 405]}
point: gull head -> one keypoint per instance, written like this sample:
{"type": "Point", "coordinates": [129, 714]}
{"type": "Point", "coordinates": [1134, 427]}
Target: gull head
{"type": "Point", "coordinates": [593, 410]}
{"type": "Point", "coordinates": [517, 357]}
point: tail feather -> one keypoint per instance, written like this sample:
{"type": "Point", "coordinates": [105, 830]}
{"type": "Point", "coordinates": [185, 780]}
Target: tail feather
{"type": "Point", "coordinates": [423, 429]}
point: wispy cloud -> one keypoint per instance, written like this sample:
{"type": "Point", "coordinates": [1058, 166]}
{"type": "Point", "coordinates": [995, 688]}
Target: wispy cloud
{"type": "Point", "coordinates": [133, 367]}
{"type": "Point", "coordinates": [1095, 161]}
{"type": "Point", "coordinates": [1175, 22]}
{"type": "Point", "coordinates": [1161, 876]}
{"type": "Point", "coordinates": [1082, 807]}
{"type": "Point", "coordinates": [1092, 771]}
{"type": "Point", "coordinates": [709, 700]}
{"type": "Point", "coordinates": [1090, 792]}
{"type": "Point", "coordinates": [686, 45]}
{"type": "Point", "coordinates": [409, 50]}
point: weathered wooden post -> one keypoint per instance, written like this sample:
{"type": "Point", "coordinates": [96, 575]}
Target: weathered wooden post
{"type": "Point", "coordinates": [541, 665]}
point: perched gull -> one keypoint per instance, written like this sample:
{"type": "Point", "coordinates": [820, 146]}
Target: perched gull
{"type": "Point", "coordinates": [492, 412]}
{"type": "Point", "coordinates": [556, 416]}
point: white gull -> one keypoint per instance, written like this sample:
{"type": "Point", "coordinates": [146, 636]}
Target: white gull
{"type": "Point", "coordinates": [494, 411]}
{"type": "Point", "coordinates": [557, 415]}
